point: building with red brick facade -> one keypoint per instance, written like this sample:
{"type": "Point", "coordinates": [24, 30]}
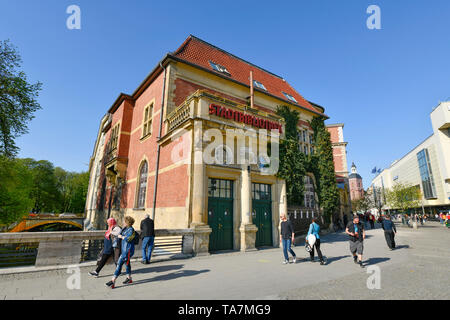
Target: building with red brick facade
{"type": "Point", "coordinates": [149, 156]}
{"type": "Point", "coordinates": [340, 166]}
{"type": "Point", "coordinates": [356, 185]}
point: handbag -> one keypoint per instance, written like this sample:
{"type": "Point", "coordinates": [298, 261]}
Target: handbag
{"type": "Point", "coordinates": [308, 247]}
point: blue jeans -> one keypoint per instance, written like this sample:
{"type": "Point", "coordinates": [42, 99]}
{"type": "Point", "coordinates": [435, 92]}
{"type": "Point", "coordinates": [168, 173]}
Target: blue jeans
{"type": "Point", "coordinates": [147, 248]}
{"type": "Point", "coordinates": [124, 258]}
{"type": "Point", "coordinates": [286, 247]}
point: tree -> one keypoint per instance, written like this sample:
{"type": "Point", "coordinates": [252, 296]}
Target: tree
{"type": "Point", "coordinates": [17, 99]}
{"type": "Point", "coordinates": [322, 165]}
{"type": "Point", "coordinates": [403, 196]}
{"type": "Point", "coordinates": [44, 191]}
{"type": "Point", "coordinates": [15, 190]}
{"type": "Point", "coordinates": [363, 204]}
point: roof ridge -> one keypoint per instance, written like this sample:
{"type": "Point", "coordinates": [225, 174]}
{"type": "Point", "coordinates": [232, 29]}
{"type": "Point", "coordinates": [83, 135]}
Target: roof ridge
{"type": "Point", "coordinates": [226, 52]}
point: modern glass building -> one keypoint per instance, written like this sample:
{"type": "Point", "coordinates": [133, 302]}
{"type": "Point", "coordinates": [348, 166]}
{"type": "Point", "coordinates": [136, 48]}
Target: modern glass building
{"type": "Point", "coordinates": [427, 166]}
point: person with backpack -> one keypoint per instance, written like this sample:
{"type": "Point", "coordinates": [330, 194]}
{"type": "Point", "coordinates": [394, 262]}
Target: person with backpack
{"type": "Point", "coordinates": [148, 238]}
{"type": "Point", "coordinates": [314, 230]}
{"type": "Point", "coordinates": [129, 239]}
{"type": "Point", "coordinates": [111, 246]}
{"type": "Point", "coordinates": [357, 234]}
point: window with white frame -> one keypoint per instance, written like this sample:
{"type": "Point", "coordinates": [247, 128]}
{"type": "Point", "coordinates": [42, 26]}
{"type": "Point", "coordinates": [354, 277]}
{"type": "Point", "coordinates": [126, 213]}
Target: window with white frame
{"type": "Point", "coordinates": [142, 186]}
{"type": "Point", "coordinates": [147, 121]}
{"type": "Point", "coordinates": [291, 98]}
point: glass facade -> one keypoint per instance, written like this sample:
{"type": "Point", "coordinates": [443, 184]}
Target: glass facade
{"type": "Point", "coordinates": [429, 189]}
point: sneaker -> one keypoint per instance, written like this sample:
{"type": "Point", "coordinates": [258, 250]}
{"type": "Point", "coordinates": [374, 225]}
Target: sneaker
{"type": "Point", "coordinates": [294, 260]}
{"type": "Point", "coordinates": [360, 264]}
{"type": "Point", "coordinates": [110, 284]}
{"type": "Point", "coordinates": [322, 263]}
{"type": "Point", "coordinates": [355, 259]}
{"type": "Point", "coordinates": [143, 262]}
{"type": "Point", "coordinates": [93, 273]}
{"type": "Point", "coordinates": [128, 281]}
{"type": "Point", "coordinates": [285, 262]}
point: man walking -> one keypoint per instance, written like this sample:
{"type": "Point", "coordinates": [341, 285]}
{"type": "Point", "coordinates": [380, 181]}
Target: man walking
{"type": "Point", "coordinates": [287, 238]}
{"type": "Point", "coordinates": [148, 238]}
{"type": "Point", "coordinates": [357, 234]}
{"type": "Point", "coordinates": [389, 231]}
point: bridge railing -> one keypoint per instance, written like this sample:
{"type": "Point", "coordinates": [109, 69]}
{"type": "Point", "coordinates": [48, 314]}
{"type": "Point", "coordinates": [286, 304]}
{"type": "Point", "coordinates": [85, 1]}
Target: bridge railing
{"type": "Point", "coordinates": [73, 247]}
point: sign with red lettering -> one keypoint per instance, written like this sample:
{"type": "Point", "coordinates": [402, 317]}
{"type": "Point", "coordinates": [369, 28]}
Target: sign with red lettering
{"type": "Point", "coordinates": [239, 116]}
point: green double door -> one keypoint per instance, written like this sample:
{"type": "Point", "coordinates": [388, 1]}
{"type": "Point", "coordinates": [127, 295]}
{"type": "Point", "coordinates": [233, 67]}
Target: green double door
{"type": "Point", "coordinates": [262, 213]}
{"type": "Point", "coordinates": [220, 214]}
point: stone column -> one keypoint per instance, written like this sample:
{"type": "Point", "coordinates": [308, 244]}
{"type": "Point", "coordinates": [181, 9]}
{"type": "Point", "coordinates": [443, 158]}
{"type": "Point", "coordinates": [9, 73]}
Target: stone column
{"type": "Point", "coordinates": [283, 206]}
{"type": "Point", "coordinates": [248, 229]}
{"type": "Point", "coordinates": [199, 223]}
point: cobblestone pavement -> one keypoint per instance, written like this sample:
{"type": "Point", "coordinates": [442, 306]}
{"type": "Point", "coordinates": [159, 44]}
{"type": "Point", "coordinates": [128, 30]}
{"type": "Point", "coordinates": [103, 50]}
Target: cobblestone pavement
{"type": "Point", "coordinates": [418, 269]}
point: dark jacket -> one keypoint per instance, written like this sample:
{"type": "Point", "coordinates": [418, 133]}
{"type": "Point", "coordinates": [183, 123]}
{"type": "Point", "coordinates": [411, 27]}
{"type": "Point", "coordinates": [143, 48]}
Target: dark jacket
{"type": "Point", "coordinates": [147, 228]}
{"type": "Point", "coordinates": [388, 225]}
{"type": "Point", "coordinates": [287, 229]}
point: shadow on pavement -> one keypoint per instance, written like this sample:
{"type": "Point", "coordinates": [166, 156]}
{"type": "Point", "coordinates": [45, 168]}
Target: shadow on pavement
{"type": "Point", "coordinates": [158, 269]}
{"type": "Point", "coordinates": [404, 246]}
{"type": "Point", "coordinates": [333, 259]}
{"type": "Point", "coordinates": [171, 276]}
{"type": "Point", "coordinates": [372, 261]}
{"type": "Point", "coordinates": [146, 270]}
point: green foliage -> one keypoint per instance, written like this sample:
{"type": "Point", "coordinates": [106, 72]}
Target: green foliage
{"type": "Point", "coordinates": [292, 161]}
{"type": "Point", "coordinates": [294, 164]}
{"type": "Point", "coordinates": [17, 99]}
{"type": "Point", "coordinates": [44, 190]}
{"type": "Point", "coordinates": [364, 204]}
{"type": "Point", "coordinates": [322, 165]}
{"type": "Point", "coordinates": [15, 189]}
{"type": "Point", "coordinates": [30, 185]}
{"type": "Point", "coordinates": [403, 196]}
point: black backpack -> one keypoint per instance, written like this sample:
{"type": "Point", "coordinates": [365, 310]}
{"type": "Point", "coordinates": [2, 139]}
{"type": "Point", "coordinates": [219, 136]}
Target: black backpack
{"type": "Point", "coordinates": [136, 238]}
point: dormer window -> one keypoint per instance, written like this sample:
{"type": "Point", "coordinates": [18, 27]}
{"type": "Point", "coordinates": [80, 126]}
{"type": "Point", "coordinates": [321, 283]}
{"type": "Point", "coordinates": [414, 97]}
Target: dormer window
{"type": "Point", "coordinates": [219, 68]}
{"type": "Point", "coordinates": [289, 97]}
{"type": "Point", "coordinates": [259, 85]}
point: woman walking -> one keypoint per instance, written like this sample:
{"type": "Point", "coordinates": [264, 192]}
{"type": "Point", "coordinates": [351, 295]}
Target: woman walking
{"type": "Point", "coordinates": [287, 237]}
{"type": "Point", "coordinates": [127, 235]}
{"type": "Point", "coordinates": [111, 246]}
{"type": "Point", "coordinates": [314, 229]}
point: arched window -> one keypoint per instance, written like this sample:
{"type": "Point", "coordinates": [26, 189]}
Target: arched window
{"type": "Point", "coordinates": [142, 185]}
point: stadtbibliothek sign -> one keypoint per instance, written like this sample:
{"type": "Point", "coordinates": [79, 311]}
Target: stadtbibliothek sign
{"type": "Point", "coordinates": [239, 116]}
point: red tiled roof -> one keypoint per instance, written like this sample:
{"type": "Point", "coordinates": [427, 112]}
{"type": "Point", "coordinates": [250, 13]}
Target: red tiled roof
{"type": "Point", "coordinates": [199, 52]}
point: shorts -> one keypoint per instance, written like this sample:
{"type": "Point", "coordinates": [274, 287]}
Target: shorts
{"type": "Point", "coordinates": [356, 247]}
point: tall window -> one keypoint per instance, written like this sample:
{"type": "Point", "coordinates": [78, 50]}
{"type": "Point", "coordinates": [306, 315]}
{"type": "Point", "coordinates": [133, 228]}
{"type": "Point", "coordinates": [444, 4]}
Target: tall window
{"type": "Point", "coordinates": [142, 185]}
{"type": "Point", "coordinates": [429, 190]}
{"type": "Point", "coordinates": [147, 125]}
{"type": "Point", "coordinates": [114, 137]}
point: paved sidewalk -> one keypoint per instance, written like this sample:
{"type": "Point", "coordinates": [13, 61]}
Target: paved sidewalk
{"type": "Point", "coordinates": [418, 269]}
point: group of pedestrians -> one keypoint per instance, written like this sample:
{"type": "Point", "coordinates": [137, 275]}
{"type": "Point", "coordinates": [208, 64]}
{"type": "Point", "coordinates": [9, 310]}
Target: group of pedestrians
{"type": "Point", "coordinates": [119, 244]}
{"type": "Point", "coordinates": [355, 229]}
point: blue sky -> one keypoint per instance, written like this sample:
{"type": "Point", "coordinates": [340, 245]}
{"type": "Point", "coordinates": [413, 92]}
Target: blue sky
{"type": "Point", "coordinates": [382, 84]}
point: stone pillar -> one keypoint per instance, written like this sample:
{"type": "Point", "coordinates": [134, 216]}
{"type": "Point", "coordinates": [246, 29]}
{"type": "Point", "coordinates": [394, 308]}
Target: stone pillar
{"type": "Point", "coordinates": [248, 229]}
{"type": "Point", "coordinates": [199, 223]}
{"type": "Point", "coordinates": [283, 206]}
